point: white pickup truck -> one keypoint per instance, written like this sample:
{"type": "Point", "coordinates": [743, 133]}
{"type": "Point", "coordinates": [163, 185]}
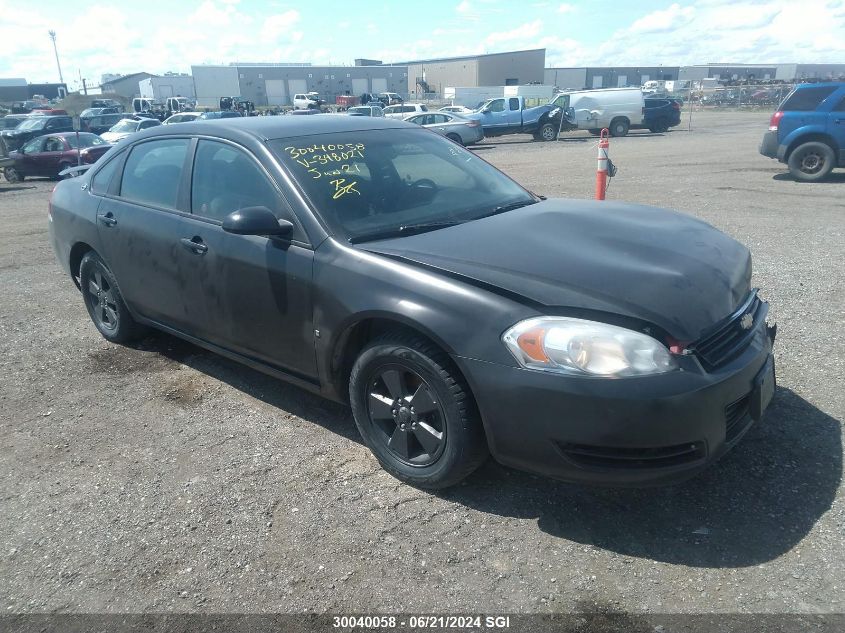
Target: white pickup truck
{"type": "Point", "coordinates": [307, 101]}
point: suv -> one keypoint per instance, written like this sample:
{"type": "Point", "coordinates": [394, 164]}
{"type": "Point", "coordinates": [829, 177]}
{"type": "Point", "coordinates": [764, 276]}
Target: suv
{"type": "Point", "coordinates": [307, 101]}
{"type": "Point", "coordinates": [808, 131]}
{"type": "Point", "coordinates": [403, 110]}
{"type": "Point", "coordinates": [36, 126]}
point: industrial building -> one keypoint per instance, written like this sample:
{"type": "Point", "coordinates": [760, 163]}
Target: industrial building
{"type": "Point", "coordinates": [125, 85]}
{"type": "Point", "coordinates": [17, 89]}
{"type": "Point", "coordinates": [275, 84]}
{"type": "Point", "coordinates": [168, 86]}
{"type": "Point", "coordinates": [513, 68]}
{"type": "Point", "coordinates": [621, 76]}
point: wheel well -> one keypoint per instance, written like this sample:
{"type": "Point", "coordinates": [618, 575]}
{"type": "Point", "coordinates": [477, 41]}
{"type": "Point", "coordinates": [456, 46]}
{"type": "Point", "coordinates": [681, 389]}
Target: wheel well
{"type": "Point", "coordinates": [355, 339]}
{"type": "Point", "coordinates": [809, 138]}
{"type": "Point", "coordinates": [77, 252]}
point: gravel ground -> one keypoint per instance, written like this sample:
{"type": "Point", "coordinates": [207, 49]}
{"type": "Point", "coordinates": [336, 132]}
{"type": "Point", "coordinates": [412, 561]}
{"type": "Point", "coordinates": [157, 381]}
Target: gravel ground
{"type": "Point", "coordinates": [164, 478]}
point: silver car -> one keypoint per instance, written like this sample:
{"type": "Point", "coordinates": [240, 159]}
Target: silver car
{"type": "Point", "coordinates": [457, 128]}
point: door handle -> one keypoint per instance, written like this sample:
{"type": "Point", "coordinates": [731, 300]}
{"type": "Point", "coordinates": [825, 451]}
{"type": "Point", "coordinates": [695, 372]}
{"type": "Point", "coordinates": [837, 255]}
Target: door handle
{"type": "Point", "coordinates": [195, 245]}
{"type": "Point", "coordinates": [107, 218]}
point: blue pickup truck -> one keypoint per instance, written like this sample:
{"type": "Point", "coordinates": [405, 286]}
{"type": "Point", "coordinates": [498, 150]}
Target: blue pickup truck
{"type": "Point", "coordinates": [509, 115]}
{"type": "Point", "coordinates": [808, 131]}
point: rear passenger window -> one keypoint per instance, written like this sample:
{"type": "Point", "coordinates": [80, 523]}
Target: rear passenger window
{"type": "Point", "coordinates": [514, 103]}
{"type": "Point", "coordinates": [153, 172]}
{"type": "Point", "coordinates": [226, 179]}
{"type": "Point", "coordinates": [807, 99]}
{"type": "Point", "coordinates": [100, 181]}
{"type": "Point", "coordinates": [840, 107]}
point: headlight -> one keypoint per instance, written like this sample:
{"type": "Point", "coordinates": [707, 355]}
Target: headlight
{"type": "Point", "coordinates": [580, 347]}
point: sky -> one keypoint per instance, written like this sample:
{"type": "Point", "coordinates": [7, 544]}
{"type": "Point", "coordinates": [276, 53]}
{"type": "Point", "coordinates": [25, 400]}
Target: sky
{"type": "Point", "coordinates": [154, 36]}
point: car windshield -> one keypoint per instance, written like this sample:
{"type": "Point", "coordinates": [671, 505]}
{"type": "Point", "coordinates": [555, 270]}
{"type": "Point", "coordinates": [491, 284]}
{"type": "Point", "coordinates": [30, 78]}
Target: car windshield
{"type": "Point", "coordinates": [359, 111]}
{"type": "Point", "coordinates": [125, 126]}
{"type": "Point", "coordinates": [210, 115]}
{"type": "Point", "coordinates": [85, 140]}
{"type": "Point", "coordinates": [379, 183]}
{"type": "Point", "coordinates": [35, 123]}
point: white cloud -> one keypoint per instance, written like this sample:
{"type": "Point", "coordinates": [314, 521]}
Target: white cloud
{"type": "Point", "coordinates": [674, 17]}
{"type": "Point", "coordinates": [464, 7]}
{"type": "Point", "coordinates": [279, 25]}
{"type": "Point", "coordinates": [522, 32]}
{"type": "Point", "coordinates": [566, 8]}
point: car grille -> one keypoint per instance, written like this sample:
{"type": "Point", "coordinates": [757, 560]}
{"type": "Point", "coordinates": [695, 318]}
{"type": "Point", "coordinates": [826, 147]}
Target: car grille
{"type": "Point", "coordinates": [737, 417]}
{"type": "Point", "coordinates": [604, 457]}
{"type": "Point", "coordinates": [729, 339]}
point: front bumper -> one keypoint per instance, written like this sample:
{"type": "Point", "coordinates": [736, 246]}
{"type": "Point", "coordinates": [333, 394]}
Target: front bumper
{"type": "Point", "coordinates": [769, 145]}
{"type": "Point", "coordinates": [622, 432]}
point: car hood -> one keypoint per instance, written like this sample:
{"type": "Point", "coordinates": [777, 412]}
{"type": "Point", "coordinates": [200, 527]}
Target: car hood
{"type": "Point", "coordinates": [656, 265]}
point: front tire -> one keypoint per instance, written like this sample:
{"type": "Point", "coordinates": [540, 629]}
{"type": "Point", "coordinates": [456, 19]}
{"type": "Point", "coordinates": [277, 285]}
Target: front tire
{"type": "Point", "coordinates": [415, 411]}
{"type": "Point", "coordinates": [104, 302]}
{"type": "Point", "coordinates": [811, 162]}
{"type": "Point", "coordinates": [11, 174]}
{"type": "Point", "coordinates": [547, 132]}
{"type": "Point", "coordinates": [619, 127]}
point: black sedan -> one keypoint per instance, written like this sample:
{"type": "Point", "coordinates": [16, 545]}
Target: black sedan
{"type": "Point", "coordinates": [456, 312]}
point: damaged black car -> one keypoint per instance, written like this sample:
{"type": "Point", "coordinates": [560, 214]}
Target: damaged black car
{"type": "Point", "coordinates": [457, 313]}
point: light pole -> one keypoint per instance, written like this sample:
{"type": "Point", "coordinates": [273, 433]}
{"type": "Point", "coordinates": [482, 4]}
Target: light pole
{"type": "Point", "coordinates": [52, 34]}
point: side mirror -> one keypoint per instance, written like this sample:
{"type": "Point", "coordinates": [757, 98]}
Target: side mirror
{"type": "Point", "coordinates": [257, 221]}
{"type": "Point", "coordinates": [485, 111]}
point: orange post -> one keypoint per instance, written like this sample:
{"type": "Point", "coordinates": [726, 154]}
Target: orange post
{"type": "Point", "coordinates": [601, 170]}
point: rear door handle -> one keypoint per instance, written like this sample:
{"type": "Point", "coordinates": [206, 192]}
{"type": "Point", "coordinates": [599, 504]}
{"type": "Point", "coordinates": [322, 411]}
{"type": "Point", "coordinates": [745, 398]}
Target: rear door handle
{"type": "Point", "coordinates": [107, 218]}
{"type": "Point", "coordinates": [194, 244]}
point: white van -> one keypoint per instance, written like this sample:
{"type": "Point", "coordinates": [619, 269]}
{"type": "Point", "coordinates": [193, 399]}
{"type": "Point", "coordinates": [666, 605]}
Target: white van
{"type": "Point", "coordinates": [617, 109]}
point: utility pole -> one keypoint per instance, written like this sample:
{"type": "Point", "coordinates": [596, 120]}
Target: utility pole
{"type": "Point", "coordinates": [52, 34]}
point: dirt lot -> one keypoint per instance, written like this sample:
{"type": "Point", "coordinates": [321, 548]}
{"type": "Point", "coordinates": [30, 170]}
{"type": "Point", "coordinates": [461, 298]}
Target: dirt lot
{"type": "Point", "coordinates": [164, 478]}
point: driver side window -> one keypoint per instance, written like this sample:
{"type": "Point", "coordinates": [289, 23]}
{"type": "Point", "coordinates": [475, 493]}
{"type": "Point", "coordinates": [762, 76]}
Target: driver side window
{"type": "Point", "coordinates": [497, 106]}
{"type": "Point", "coordinates": [226, 179]}
{"type": "Point", "coordinates": [34, 146]}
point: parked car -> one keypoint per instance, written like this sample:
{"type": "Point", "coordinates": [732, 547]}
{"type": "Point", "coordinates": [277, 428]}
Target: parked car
{"type": "Point", "coordinates": [808, 131]}
{"type": "Point", "coordinates": [102, 123]}
{"type": "Point", "coordinates": [403, 110]}
{"type": "Point", "coordinates": [452, 126]}
{"type": "Point", "coordinates": [11, 121]}
{"type": "Point", "coordinates": [47, 111]}
{"type": "Point", "coordinates": [36, 126]}
{"type": "Point", "coordinates": [511, 115]}
{"type": "Point", "coordinates": [617, 109]}
{"type": "Point", "coordinates": [378, 264]}
{"type": "Point", "coordinates": [92, 112]}
{"type": "Point", "coordinates": [182, 117]}
{"type": "Point", "coordinates": [220, 114]}
{"type": "Point", "coordinates": [307, 101]}
{"type": "Point", "coordinates": [107, 103]}
{"type": "Point", "coordinates": [50, 154]}
{"type": "Point", "coordinates": [390, 98]}
{"type": "Point", "coordinates": [366, 111]}
{"type": "Point", "coordinates": [660, 114]}
{"type": "Point", "coordinates": [306, 112]}
{"type": "Point", "coordinates": [128, 126]}
{"type": "Point", "coordinates": [456, 109]}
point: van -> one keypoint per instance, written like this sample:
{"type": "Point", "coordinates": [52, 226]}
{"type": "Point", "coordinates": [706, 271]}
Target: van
{"type": "Point", "coordinates": [617, 109]}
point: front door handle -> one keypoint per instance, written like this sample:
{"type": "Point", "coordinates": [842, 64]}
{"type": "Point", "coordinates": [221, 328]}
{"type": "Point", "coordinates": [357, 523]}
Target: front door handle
{"type": "Point", "coordinates": [194, 244]}
{"type": "Point", "coordinates": [107, 218]}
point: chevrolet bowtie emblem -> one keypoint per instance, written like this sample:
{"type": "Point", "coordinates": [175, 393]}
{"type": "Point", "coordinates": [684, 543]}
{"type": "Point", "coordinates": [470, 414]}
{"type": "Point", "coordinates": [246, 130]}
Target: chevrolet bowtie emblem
{"type": "Point", "coordinates": [746, 321]}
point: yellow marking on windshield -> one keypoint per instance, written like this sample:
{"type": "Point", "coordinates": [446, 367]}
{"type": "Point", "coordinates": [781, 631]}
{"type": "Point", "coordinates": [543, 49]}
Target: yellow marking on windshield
{"type": "Point", "coordinates": [340, 189]}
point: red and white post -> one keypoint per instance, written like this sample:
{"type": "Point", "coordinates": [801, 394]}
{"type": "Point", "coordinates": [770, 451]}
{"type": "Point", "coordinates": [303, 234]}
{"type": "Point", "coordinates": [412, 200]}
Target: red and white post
{"type": "Point", "coordinates": [601, 169]}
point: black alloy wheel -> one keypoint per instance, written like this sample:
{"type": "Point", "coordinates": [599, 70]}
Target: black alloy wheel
{"type": "Point", "coordinates": [104, 302]}
{"type": "Point", "coordinates": [415, 411]}
{"type": "Point", "coordinates": [406, 416]}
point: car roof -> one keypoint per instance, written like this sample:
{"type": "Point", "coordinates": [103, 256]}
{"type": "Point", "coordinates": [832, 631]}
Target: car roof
{"type": "Point", "coordinates": [71, 134]}
{"type": "Point", "coordinates": [835, 84]}
{"type": "Point", "coordinates": [266, 128]}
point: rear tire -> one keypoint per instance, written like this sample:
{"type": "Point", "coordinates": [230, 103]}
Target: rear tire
{"type": "Point", "coordinates": [104, 302]}
{"type": "Point", "coordinates": [11, 174]}
{"type": "Point", "coordinates": [811, 162]}
{"type": "Point", "coordinates": [415, 411]}
{"type": "Point", "coordinates": [619, 127]}
{"type": "Point", "coordinates": [660, 126]}
{"type": "Point", "coordinates": [456, 138]}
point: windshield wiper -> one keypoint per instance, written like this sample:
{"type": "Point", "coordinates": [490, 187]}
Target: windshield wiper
{"type": "Point", "coordinates": [404, 229]}
{"type": "Point", "coordinates": [507, 207]}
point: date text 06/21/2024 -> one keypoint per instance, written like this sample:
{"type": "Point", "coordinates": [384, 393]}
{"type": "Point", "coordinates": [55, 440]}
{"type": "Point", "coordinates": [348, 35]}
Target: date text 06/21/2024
{"type": "Point", "coordinates": [353, 622]}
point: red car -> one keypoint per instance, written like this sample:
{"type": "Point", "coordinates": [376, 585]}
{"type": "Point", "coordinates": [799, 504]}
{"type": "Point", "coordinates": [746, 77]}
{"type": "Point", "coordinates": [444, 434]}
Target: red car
{"type": "Point", "coordinates": [48, 155]}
